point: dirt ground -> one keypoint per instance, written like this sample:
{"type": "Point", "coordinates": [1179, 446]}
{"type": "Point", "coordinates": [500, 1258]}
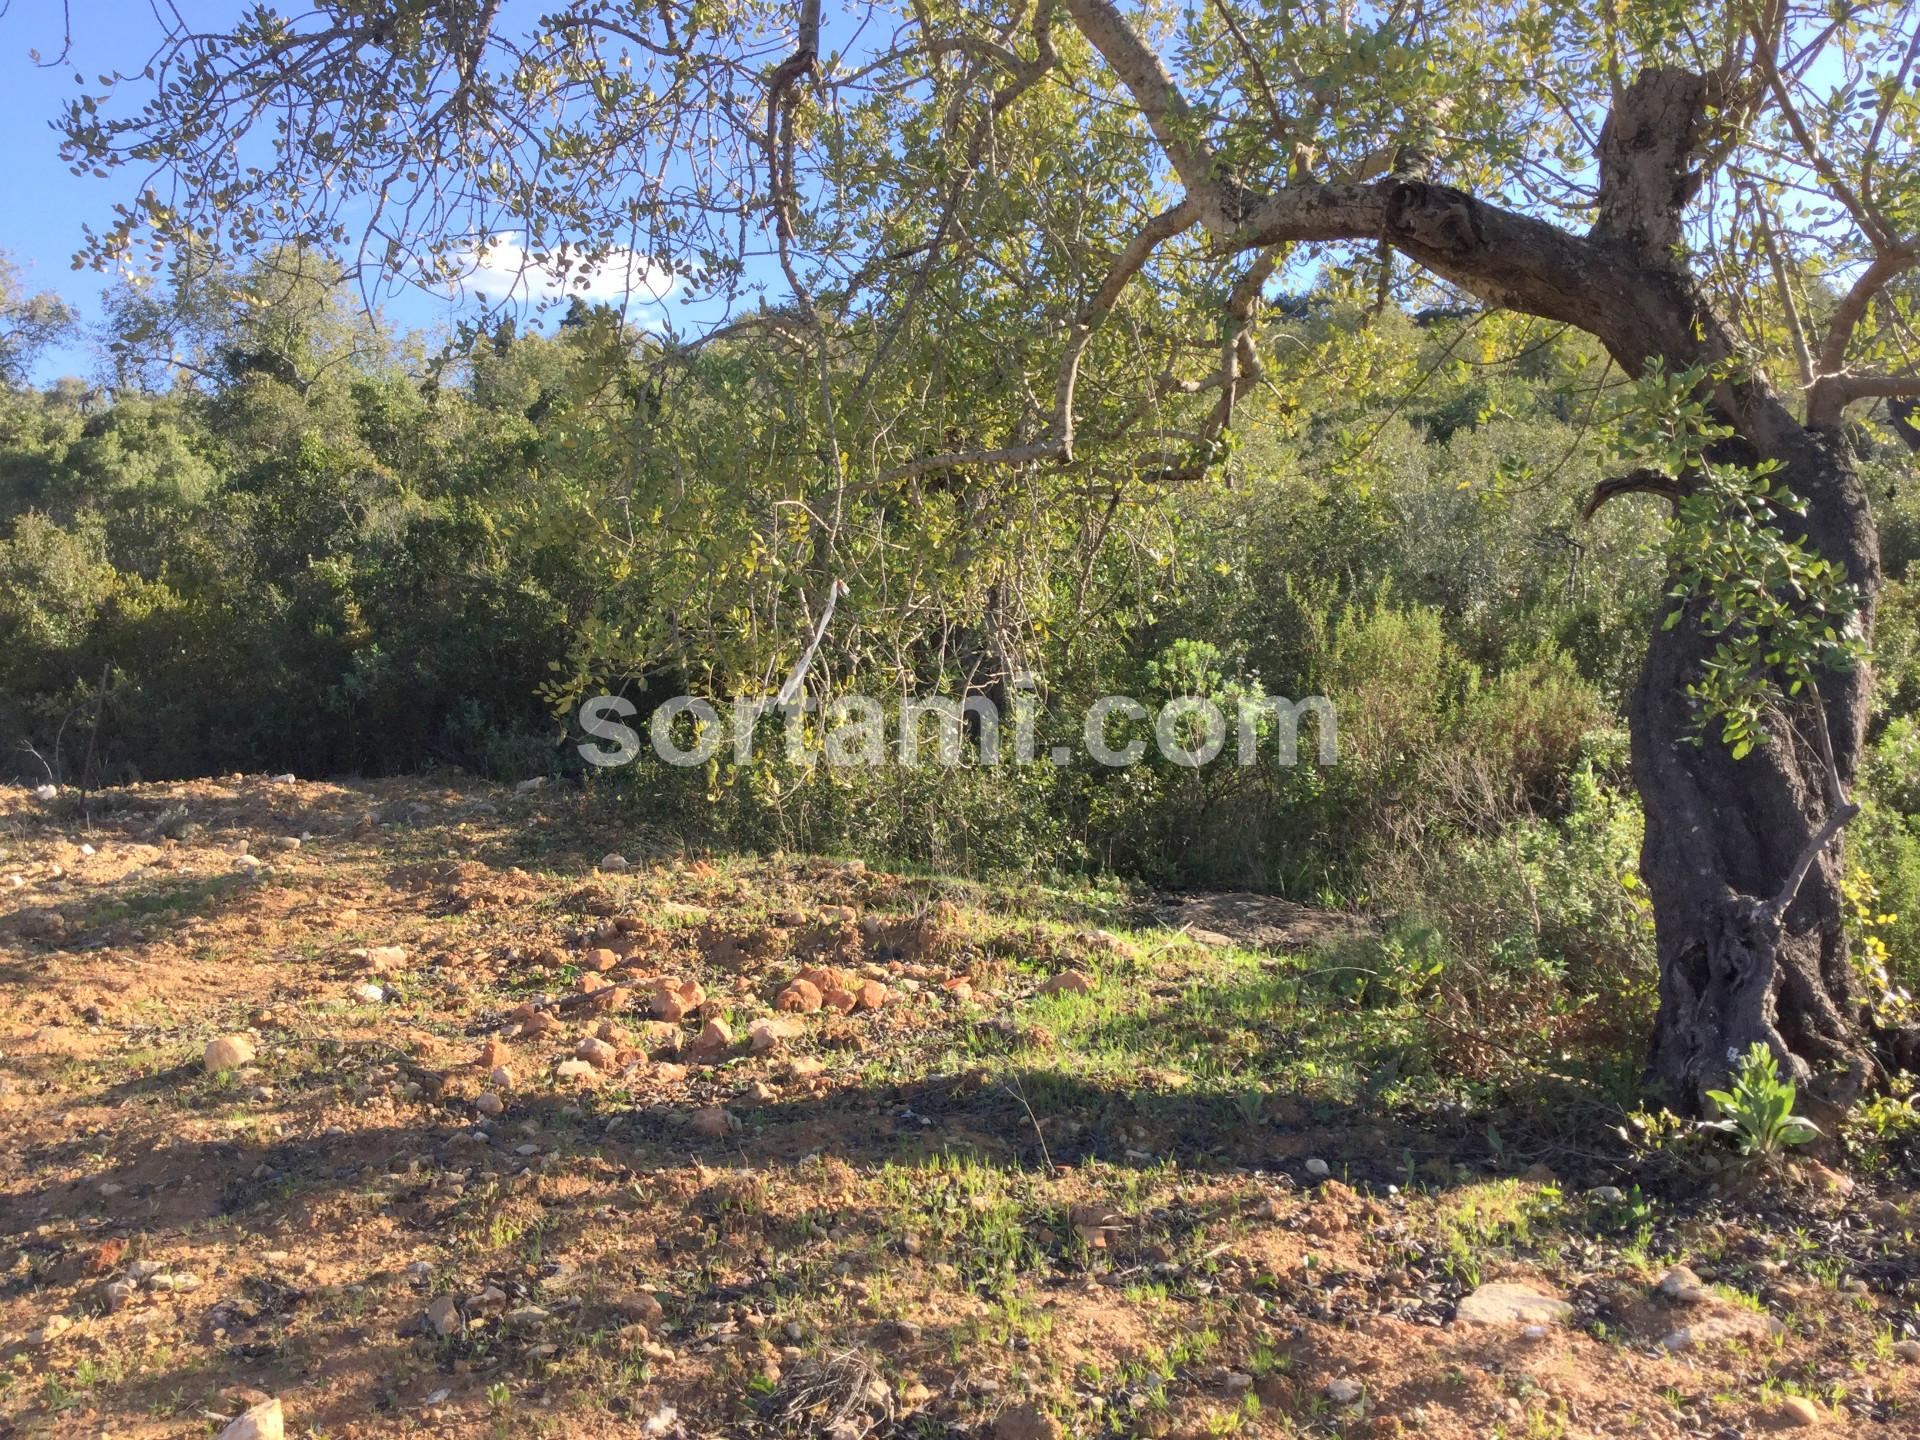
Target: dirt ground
{"type": "Point", "coordinates": [510, 1137]}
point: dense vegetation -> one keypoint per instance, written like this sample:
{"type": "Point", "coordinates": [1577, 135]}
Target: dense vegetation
{"type": "Point", "coordinates": [302, 544]}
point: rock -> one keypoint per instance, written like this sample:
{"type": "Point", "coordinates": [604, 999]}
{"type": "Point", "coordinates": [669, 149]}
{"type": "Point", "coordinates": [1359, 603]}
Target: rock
{"type": "Point", "coordinates": [802, 997]}
{"type": "Point", "coordinates": [1318, 1168]}
{"type": "Point", "coordinates": [384, 958]}
{"type": "Point", "coordinates": [262, 1422]}
{"type": "Point", "coordinates": [673, 1001]}
{"type": "Point", "coordinates": [1907, 1350]}
{"type": "Point", "coordinates": [1680, 1286]}
{"type": "Point", "coordinates": [600, 961]}
{"type": "Point", "coordinates": [613, 863]}
{"type": "Point", "coordinates": [871, 996]}
{"type": "Point", "coordinates": [229, 1052]}
{"type": "Point", "coordinates": [767, 1035]}
{"type": "Point", "coordinates": [1068, 982]}
{"type": "Point", "coordinates": [714, 1122]}
{"type": "Point", "coordinates": [1798, 1412]}
{"type": "Point", "coordinates": [1343, 1391]}
{"type": "Point", "coordinates": [640, 1305]}
{"type": "Point", "coordinates": [489, 1104]}
{"type": "Point", "coordinates": [493, 1053]}
{"type": "Point", "coordinates": [841, 1002]}
{"type": "Point", "coordinates": [575, 1070]}
{"type": "Point", "coordinates": [1500, 1303]}
{"type": "Point", "coordinates": [597, 1053]}
{"type": "Point", "coordinates": [370, 993]}
{"type": "Point", "coordinates": [1026, 1422]}
{"type": "Point", "coordinates": [443, 1317]}
{"type": "Point", "coordinates": [1733, 1325]}
{"type": "Point", "coordinates": [714, 1040]}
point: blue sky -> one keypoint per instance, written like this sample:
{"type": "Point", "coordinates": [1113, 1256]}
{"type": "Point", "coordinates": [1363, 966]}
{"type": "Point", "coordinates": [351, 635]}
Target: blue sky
{"type": "Point", "coordinates": [43, 207]}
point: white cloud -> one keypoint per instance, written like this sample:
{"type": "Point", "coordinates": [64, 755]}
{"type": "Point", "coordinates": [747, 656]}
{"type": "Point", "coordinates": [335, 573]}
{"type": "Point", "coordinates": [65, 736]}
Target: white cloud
{"type": "Point", "coordinates": [502, 269]}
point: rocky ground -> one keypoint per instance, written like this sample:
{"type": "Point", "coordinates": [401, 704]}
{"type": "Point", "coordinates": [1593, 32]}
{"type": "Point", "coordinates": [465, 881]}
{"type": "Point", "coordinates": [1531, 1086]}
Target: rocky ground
{"type": "Point", "coordinates": [409, 1107]}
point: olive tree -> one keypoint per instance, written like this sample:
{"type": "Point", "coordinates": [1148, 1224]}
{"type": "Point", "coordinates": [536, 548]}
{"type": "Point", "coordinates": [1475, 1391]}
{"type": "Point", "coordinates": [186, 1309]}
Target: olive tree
{"type": "Point", "coordinates": [1028, 242]}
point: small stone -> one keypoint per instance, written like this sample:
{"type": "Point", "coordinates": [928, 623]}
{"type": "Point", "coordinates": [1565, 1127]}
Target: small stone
{"type": "Point", "coordinates": [801, 997]}
{"type": "Point", "coordinates": [1318, 1168]}
{"type": "Point", "coordinates": [443, 1316]}
{"type": "Point", "coordinates": [768, 1034]}
{"type": "Point", "coordinates": [641, 1306]}
{"type": "Point", "coordinates": [575, 1070]}
{"type": "Point", "coordinates": [600, 961]}
{"type": "Point", "coordinates": [1500, 1303]}
{"type": "Point", "coordinates": [872, 995]}
{"type": "Point", "coordinates": [229, 1052]}
{"type": "Point", "coordinates": [597, 1053]}
{"type": "Point", "coordinates": [370, 993]}
{"type": "Point", "coordinates": [262, 1422]}
{"type": "Point", "coordinates": [1798, 1412]}
{"type": "Point", "coordinates": [489, 1104]}
{"type": "Point", "coordinates": [715, 1039]}
{"type": "Point", "coordinates": [1026, 1422]}
{"type": "Point", "coordinates": [1681, 1286]}
{"type": "Point", "coordinates": [1733, 1325]}
{"type": "Point", "coordinates": [1068, 982]}
{"type": "Point", "coordinates": [1343, 1391]}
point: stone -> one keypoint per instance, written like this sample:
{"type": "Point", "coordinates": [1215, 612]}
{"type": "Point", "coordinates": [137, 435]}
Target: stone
{"type": "Point", "coordinates": [597, 1053]}
{"type": "Point", "coordinates": [716, 1038]}
{"type": "Point", "coordinates": [1026, 1422]}
{"type": "Point", "coordinates": [766, 1035]}
{"type": "Point", "coordinates": [443, 1316]}
{"type": "Point", "coordinates": [262, 1422]}
{"type": "Point", "coordinates": [1343, 1391]}
{"type": "Point", "coordinates": [1068, 982]}
{"type": "Point", "coordinates": [1502, 1303]}
{"type": "Point", "coordinates": [370, 993]}
{"type": "Point", "coordinates": [640, 1305]}
{"type": "Point", "coordinates": [1798, 1412]}
{"type": "Point", "coordinates": [801, 997]}
{"type": "Point", "coordinates": [872, 995]}
{"type": "Point", "coordinates": [489, 1104]}
{"type": "Point", "coordinates": [575, 1070]}
{"type": "Point", "coordinates": [1680, 1286]}
{"type": "Point", "coordinates": [229, 1052]}
{"type": "Point", "coordinates": [1732, 1325]}
{"type": "Point", "coordinates": [1318, 1168]}
{"type": "Point", "coordinates": [673, 1001]}
{"type": "Point", "coordinates": [600, 961]}
{"type": "Point", "coordinates": [839, 1001]}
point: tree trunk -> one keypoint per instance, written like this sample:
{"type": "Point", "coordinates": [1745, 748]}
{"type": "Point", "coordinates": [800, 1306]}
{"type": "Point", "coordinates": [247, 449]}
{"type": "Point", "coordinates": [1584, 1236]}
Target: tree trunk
{"type": "Point", "coordinates": [1723, 836]}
